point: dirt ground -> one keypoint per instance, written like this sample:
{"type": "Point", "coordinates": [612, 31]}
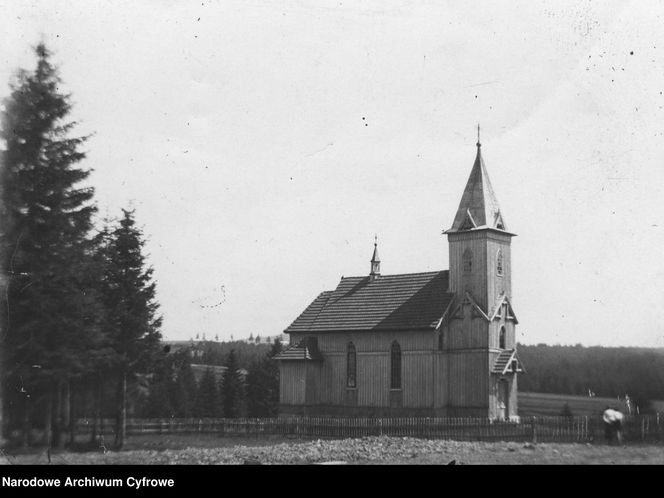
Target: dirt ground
{"type": "Point", "coordinates": [370, 450]}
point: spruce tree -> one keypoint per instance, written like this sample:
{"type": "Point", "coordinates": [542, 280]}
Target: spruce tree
{"type": "Point", "coordinates": [49, 318]}
{"type": "Point", "coordinates": [263, 385]}
{"type": "Point", "coordinates": [232, 388]}
{"type": "Point", "coordinates": [132, 324]}
{"type": "Point", "coordinates": [159, 403]}
{"type": "Point", "coordinates": [207, 397]}
{"type": "Point", "coordinates": [184, 390]}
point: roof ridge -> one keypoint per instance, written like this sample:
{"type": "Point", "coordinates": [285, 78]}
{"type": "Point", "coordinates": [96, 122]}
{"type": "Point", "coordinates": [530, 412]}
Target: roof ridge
{"type": "Point", "coordinates": [400, 274]}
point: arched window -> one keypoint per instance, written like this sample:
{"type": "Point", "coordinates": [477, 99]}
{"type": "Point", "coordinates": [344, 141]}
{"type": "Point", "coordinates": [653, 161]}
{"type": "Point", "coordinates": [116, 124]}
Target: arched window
{"type": "Point", "coordinates": [467, 261]}
{"type": "Point", "coordinates": [351, 366]}
{"type": "Point", "coordinates": [395, 366]}
{"type": "Point", "coordinates": [499, 263]}
{"type": "Point", "coordinates": [501, 338]}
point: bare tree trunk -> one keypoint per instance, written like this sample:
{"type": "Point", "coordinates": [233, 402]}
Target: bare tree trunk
{"type": "Point", "coordinates": [27, 426]}
{"type": "Point", "coordinates": [64, 410]}
{"type": "Point", "coordinates": [48, 418]}
{"type": "Point", "coordinates": [56, 440]}
{"type": "Point", "coordinates": [100, 407]}
{"type": "Point", "coordinates": [97, 396]}
{"type": "Point", "coordinates": [121, 432]}
{"type": "Point", "coordinates": [70, 415]}
{"type": "Point", "coordinates": [3, 341]}
{"type": "Point", "coordinates": [2, 381]}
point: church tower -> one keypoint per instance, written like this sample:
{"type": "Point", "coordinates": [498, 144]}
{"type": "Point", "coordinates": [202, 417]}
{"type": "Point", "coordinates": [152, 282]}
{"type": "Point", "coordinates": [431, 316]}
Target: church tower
{"type": "Point", "coordinates": [481, 326]}
{"type": "Point", "coordinates": [479, 243]}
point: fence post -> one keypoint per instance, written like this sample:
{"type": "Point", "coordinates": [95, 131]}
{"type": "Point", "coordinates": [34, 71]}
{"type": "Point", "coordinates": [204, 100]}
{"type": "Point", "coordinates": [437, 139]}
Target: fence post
{"type": "Point", "coordinates": [534, 430]}
{"type": "Point", "coordinates": [585, 428]}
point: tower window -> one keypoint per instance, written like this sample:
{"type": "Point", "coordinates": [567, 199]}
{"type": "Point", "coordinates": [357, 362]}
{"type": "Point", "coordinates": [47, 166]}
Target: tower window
{"type": "Point", "coordinates": [467, 261]}
{"type": "Point", "coordinates": [502, 338]}
{"type": "Point", "coordinates": [499, 263]}
{"type": "Point", "coordinates": [395, 366]}
{"type": "Point", "coordinates": [351, 366]}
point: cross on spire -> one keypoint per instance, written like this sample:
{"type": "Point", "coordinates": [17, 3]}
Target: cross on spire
{"type": "Point", "coordinates": [478, 135]}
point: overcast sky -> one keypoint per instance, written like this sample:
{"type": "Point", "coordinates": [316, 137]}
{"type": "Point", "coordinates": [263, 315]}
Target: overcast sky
{"type": "Point", "coordinates": [264, 143]}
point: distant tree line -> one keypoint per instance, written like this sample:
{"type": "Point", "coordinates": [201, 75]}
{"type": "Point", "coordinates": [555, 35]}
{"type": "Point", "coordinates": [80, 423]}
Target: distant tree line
{"type": "Point", "coordinates": [79, 314]}
{"type": "Point", "coordinates": [600, 371]}
{"type": "Point", "coordinates": [216, 353]}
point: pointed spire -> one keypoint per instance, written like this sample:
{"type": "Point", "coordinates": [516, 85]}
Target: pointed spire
{"type": "Point", "coordinates": [478, 207]}
{"type": "Point", "coordinates": [375, 261]}
{"type": "Point", "coordinates": [375, 258]}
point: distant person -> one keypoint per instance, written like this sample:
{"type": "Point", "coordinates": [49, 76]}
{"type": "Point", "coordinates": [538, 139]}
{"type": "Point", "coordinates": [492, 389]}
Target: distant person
{"type": "Point", "coordinates": [613, 420]}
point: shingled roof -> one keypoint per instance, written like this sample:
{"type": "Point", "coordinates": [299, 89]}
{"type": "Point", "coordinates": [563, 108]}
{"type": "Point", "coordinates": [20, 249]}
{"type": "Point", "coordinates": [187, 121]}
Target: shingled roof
{"type": "Point", "coordinates": [507, 361]}
{"type": "Point", "coordinates": [412, 301]}
{"type": "Point", "coordinates": [479, 206]}
{"type": "Point", "coordinates": [306, 349]}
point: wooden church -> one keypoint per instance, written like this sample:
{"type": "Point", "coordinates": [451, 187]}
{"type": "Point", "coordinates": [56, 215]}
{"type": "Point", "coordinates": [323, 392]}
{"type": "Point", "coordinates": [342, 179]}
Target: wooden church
{"type": "Point", "coordinates": [418, 344]}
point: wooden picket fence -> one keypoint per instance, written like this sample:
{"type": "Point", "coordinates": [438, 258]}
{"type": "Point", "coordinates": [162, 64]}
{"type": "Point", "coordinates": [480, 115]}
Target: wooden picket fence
{"type": "Point", "coordinates": [644, 428]}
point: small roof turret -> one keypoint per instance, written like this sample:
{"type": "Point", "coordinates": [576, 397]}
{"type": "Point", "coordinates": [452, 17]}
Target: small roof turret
{"type": "Point", "coordinates": [375, 260]}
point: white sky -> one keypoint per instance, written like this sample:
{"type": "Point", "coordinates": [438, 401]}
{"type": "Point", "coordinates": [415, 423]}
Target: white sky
{"type": "Point", "coordinates": [236, 130]}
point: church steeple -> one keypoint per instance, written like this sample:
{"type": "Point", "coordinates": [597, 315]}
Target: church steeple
{"type": "Point", "coordinates": [479, 243]}
{"type": "Point", "coordinates": [478, 207]}
{"type": "Point", "coordinates": [375, 261]}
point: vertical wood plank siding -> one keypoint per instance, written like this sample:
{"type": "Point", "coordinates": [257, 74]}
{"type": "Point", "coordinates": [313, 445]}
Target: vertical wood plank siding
{"type": "Point", "coordinates": [432, 379]}
{"type": "Point", "coordinates": [373, 369]}
{"type": "Point", "coordinates": [484, 247]}
{"type": "Point", "coordinates": [373, 379]}
{"type": "Point", "coordinates": [292, 382]}
{"type": "Point", "coordinates": [468, 379]}
{"type": "Point", "coordinates": [417, 379]}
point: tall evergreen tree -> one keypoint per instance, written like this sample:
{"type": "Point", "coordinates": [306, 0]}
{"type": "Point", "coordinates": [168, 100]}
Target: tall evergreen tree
{"type": "Point", "coordinates": [49, 318]}
{"type": "Point", "coordinates": [159, 403]}
{"type": "Point", "coordinates": [184, 397]}
{"type": "Point", "coordinates": [232, 388]}
{"type": "Point", "coordinates": [207, 398]}
{"type": "Point", "coordinates": [183, 393]}
{"type": "Point", "coordinates": [132, 323]}
{"type": "Point", "coordinates": [263, 385]}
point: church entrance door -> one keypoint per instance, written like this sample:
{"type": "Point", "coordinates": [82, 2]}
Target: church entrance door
{"type": "Point", "coordinates": [503, 399]}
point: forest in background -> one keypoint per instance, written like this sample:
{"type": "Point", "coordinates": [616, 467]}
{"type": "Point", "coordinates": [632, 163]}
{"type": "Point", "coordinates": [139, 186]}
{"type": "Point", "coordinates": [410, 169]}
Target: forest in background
{"type": "Point", "coordinates": [216, 353]}
{"type": "Point", "coordinates": [598, 370]}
